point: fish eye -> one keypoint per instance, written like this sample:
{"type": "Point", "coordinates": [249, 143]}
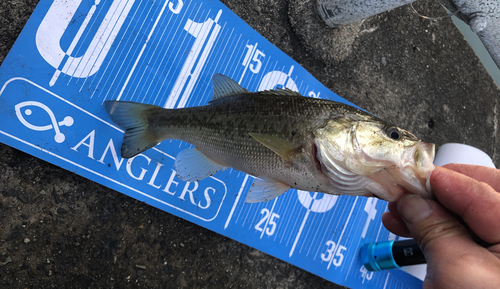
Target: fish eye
{"type": "Point", "coordinates": [394, 133]}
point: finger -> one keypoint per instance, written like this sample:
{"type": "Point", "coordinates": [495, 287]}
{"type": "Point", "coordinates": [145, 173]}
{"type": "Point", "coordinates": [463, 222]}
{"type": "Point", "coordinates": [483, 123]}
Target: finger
{"type": "Point", "coordinates": [393, 208]}
{"type": "Point", "coordinates": [395, 224]}
{"type": "Point", "coordinates": [495, 250]}
{"type": "Point", "coordinates": [487, 175]}
{"type": "Point", "coordinates": [426, 220]}
{"type": "Point", "coordinates": [454, 260]}
{"type": "Point", "coordinates": [475, 202]}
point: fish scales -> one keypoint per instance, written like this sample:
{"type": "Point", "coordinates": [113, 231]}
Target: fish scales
{"type": "Point", "coordinates": [221, 129]}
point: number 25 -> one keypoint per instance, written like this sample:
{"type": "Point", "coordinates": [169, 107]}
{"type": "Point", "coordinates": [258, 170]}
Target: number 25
{"type": "Point", "coordinates": [272, 223]}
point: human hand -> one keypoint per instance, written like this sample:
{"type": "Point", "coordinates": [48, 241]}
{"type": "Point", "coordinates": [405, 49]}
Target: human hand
{"type": "Point", "coordinates": [467, 209]}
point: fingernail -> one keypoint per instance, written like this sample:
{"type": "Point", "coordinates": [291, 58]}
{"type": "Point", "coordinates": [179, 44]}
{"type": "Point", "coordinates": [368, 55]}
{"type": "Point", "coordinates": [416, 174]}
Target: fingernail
{"type": "Point", "coordinates": [413, 209]}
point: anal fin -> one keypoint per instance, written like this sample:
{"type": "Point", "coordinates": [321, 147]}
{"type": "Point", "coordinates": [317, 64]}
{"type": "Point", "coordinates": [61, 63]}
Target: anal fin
{"type": "Point", "coordinates": [265, 190]}
{"type": "Point", "coordinates": [192, 165]}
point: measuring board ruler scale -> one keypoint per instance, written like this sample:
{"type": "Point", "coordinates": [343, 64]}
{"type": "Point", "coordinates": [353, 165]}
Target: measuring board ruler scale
{"type": "Point", "coordinates": [74, 55]}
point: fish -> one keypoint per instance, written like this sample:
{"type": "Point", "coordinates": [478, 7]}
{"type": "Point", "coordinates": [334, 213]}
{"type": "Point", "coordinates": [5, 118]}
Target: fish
{"type": "Point", "coordinates": [284, 140]}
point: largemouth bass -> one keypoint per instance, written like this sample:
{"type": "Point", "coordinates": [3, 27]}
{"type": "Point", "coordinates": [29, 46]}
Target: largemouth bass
{"type": "Point", "coordinates": [284, 140]}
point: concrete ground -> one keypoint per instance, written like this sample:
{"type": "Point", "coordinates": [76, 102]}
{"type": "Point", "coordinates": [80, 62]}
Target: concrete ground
{"type": "Point", "coordinates": [58, 229]}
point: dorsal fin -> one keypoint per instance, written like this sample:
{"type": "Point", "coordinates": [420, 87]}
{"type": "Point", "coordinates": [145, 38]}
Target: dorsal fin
{"type": "Point", "coordinates": [283, 91]}
{"type": "Point", "coordinates": [225, 86]}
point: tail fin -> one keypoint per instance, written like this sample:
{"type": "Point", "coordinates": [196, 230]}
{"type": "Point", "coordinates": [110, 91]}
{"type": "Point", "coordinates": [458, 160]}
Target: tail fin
{"type": "Point", "coordinates": [133, 118]}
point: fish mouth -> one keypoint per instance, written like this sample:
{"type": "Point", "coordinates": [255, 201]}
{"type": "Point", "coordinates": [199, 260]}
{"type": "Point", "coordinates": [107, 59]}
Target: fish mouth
{"type": "Point", "coordinates": [424, 158]}
{"type": "Point", "coordinates": [411, 176]}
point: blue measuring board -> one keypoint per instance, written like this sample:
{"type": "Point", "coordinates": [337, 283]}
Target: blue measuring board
{"type": "Point", "coordinates": [74, 55]}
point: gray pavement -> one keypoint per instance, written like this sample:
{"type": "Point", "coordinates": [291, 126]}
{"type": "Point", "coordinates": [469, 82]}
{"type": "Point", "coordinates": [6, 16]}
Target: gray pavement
{"type": "Point", "coordinates": [58, 229]}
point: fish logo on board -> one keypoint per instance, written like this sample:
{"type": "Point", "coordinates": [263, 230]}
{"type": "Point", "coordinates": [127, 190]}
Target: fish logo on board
{"type": "Point", "coordinates": [59, 137]}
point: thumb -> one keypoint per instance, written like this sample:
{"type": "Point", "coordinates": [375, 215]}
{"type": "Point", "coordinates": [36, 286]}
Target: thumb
{"type": "Point", "coordinates": [438, 233]}
{"type": "Point", "coordinates": [454, 260]}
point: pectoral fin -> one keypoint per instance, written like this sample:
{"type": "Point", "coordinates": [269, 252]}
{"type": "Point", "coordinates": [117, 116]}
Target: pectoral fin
{"type": "Point", "coordinates": [265, 190]}
{"type": "Point", "coordinates": [276, 144]}
{"type": "Point", "coordinates": [192, 166]}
